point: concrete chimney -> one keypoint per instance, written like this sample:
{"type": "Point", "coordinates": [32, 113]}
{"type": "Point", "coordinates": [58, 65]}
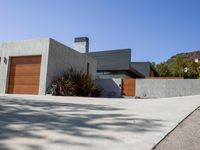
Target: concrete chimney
{"type": "Point", "coordinates": [81, 44]}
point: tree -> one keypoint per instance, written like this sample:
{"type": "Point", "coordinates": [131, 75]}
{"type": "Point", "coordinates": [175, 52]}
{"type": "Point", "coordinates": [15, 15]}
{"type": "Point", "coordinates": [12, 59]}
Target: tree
{"type": "Point", "coordinates": [177, 67]}
{"type": "Point", "coordinates": [192, 69]}
{"type": "Point", "coordinates": [163, 69]}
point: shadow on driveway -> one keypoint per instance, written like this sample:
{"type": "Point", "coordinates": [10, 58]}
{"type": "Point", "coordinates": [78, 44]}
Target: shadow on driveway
{"type": "Point", "coordinates": [31, 116]}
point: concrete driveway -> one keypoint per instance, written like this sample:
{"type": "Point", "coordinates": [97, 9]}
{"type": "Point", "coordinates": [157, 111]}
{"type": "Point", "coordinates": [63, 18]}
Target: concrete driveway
{"type": "Point", "coordinates": [60, 123]}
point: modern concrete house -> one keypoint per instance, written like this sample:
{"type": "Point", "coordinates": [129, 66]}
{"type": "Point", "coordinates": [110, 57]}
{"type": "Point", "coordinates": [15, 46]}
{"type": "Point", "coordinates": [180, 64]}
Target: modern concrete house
{"type": "Point", "coordinates": [115, 64]}
{"type": "Point", "coordinates": [28, 67]}
{"type": "Point", "coordinates": [110, 63]}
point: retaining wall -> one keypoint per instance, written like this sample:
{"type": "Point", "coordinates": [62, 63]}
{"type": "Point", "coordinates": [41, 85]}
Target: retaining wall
{"type": "Point", "coordinates": [160, 88]}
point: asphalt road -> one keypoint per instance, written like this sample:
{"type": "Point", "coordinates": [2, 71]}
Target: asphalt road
{"type": "Point", "coordinates": [186, 136]}
{"type": "Point", "coordinates": [75, 123]}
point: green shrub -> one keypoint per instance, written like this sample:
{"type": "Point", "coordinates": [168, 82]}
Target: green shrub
{"type": "Point", "coordinates": [74, 83]}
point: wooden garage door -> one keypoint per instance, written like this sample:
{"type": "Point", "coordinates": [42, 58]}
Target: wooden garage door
{"type": "Point", "coordinates": [24, 75]}
{"type": "Point", "coordinates": [128, 87]}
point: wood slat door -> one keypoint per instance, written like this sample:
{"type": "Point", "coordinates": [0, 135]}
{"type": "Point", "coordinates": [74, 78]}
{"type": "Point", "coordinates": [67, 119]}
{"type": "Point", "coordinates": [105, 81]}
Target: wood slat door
{"type": "Point", "coordinates": [24, 75]}
{"type": "Point", "coordinates": [128, 87]}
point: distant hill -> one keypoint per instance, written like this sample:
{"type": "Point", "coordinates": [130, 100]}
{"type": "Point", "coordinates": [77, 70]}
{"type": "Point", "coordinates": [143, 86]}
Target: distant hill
{"type": "Point", "coordinates": [188, 55]}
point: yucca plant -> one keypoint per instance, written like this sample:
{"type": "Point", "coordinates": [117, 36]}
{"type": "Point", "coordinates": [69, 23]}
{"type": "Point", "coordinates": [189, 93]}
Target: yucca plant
{"type": "Point", "coordinates": [74, 83]}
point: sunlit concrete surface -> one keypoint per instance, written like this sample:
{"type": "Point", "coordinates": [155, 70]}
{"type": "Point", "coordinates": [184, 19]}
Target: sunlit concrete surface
{"type": "Point", "coordinates": [75, 123]}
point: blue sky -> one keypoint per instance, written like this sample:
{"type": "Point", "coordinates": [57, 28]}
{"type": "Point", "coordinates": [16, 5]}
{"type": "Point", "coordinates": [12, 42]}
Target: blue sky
{"type": "Point", "coordinates": [153, 29]}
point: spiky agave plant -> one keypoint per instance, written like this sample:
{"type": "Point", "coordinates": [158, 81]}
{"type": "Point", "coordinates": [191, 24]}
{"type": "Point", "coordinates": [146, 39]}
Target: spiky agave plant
{"type": "Point", "coordinates": [76, 83]}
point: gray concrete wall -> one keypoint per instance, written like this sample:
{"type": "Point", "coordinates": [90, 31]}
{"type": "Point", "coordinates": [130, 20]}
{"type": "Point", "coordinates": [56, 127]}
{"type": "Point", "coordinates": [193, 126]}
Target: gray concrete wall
{"type": "Point", "coordinates": [23, 48]}
{"type": "Point", "coordinates": [62, 58]}
{"type": "Point", "coordinates": [159, 88]}
{"type": "Point", "coordinates": [111, 87]}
